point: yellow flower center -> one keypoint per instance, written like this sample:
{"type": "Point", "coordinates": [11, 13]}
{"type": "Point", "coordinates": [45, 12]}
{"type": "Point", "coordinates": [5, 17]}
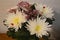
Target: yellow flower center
{"type": "Point", "coordinates": [16, 20]}
{"type": "Point", "coordinates": [38, 28]}
{"type": "Point", "coordinates": [44, 10]}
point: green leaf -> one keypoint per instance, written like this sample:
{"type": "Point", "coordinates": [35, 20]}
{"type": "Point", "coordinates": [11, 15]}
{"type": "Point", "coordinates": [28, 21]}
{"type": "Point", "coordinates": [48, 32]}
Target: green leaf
{"type": "Point", "coordinates": [33, 7]}
{"type": "Point", "coordinates": [45, 37]}
{"type": "Point", "coordinates": [50, 20]}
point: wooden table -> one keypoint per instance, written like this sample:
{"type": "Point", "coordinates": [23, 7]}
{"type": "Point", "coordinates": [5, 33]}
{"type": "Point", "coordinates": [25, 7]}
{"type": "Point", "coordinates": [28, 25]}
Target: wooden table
{"type": "Point", "coordinates": [3, 36]}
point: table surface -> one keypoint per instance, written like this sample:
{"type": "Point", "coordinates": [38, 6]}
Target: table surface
{"type": "Point", "coordinates": [3, 36]}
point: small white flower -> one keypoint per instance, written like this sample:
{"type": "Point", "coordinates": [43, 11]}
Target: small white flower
{"type": "Point", "coordinates": [38, 27]}
{"type": "Point", "coordinates": [15, 20]}
{"type": "Point", "coordinates": [45, 10]}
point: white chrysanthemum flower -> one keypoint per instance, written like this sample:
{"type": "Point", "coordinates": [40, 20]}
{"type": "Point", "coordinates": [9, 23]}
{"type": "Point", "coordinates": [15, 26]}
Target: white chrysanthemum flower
{"type": "Point", "coordinates": [38, 27]}
{"type": "Point", "coordinates": [15, 20]}
{"type": "Point", "coordinates": [45, 10]}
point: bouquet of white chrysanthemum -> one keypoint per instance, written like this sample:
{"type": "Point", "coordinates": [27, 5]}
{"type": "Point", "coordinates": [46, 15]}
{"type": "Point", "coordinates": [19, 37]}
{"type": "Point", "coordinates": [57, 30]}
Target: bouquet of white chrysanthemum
{"type": "Point", "coordinates": [29, 21]}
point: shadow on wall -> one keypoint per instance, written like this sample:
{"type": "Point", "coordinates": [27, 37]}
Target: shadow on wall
{"type": "Point", "coordinates": [56, 27]}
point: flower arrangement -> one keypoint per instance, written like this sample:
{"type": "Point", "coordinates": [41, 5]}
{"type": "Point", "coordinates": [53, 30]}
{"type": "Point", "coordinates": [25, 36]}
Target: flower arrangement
{"type": "Point", "coordinates": [29, 21]}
